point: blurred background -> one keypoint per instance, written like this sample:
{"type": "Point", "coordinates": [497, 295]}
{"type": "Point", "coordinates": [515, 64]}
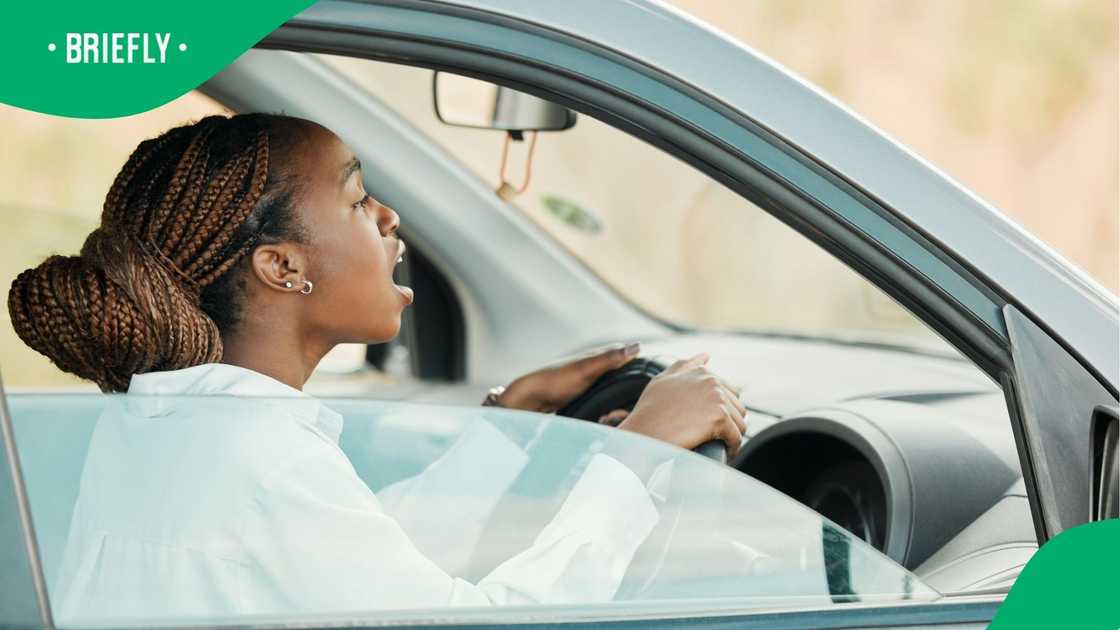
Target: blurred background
{"type": "Point", "coordinates": [1017, 100]}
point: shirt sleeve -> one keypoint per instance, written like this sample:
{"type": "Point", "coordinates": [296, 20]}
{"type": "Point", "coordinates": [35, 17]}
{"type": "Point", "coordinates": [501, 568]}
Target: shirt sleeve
{"type": "Point", "coordinates": [321, 542]}
{"type": "Point", "coordinates": [445, 510]}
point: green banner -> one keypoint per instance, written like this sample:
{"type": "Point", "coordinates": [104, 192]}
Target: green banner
{"type": "Point", "coordinates": [1071, 582]}
{"type": "Point", "coordinates": [109, 59]}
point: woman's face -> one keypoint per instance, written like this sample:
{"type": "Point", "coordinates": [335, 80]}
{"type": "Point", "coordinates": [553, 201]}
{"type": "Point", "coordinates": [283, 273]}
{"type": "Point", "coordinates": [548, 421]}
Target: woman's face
{"type": "Point", "coordinates": [352, 246]}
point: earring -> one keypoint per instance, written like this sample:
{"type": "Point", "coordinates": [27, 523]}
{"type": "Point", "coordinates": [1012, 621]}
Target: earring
{"type": "Point", "coordinates": [288, 284]}
{"type": "Point", "coordinates": [307, 287]}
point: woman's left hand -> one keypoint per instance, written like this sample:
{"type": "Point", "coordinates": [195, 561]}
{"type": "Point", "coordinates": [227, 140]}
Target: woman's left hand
{"type": "Point", "coordinates": [552, 387]}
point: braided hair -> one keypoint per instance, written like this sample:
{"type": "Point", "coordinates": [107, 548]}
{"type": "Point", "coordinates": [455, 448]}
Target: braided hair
{"type": "Point", "coordinates": [152, 288]}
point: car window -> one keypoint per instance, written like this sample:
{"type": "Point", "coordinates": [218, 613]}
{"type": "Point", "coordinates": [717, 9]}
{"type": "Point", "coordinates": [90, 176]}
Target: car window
{"type": "Point", "coordinates": [226, 510]}
{"type": "Point", "coordinates": [664, 235]}
{"type": "Point", "coordinates": [821, 339]}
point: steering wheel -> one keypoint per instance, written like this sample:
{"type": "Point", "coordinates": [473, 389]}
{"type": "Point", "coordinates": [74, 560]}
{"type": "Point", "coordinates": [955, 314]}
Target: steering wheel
{"type": "Point", "coordinates": [620, 389]}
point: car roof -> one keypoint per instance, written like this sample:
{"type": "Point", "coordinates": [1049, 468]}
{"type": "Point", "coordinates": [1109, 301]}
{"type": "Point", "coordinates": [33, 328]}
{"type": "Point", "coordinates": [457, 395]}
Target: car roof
{"type": "Point", "coordinates": [1064, 298]}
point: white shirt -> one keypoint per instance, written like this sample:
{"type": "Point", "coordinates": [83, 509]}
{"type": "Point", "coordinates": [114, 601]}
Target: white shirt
{"type": "Point", "coordinates": [185, 513]}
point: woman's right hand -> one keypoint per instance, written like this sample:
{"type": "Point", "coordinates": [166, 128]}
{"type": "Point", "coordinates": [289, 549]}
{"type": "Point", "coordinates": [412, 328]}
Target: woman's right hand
{"type": "Point", "coordinates": [687, 405]}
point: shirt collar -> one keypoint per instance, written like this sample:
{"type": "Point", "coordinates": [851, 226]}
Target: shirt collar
{"type": "Point", "coordinates": [230, 380]}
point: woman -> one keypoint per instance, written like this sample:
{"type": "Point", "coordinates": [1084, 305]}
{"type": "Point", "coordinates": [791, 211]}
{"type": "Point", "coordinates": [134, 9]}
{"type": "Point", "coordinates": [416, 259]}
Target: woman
{"type": "Point", "coordinates": [232, 255]}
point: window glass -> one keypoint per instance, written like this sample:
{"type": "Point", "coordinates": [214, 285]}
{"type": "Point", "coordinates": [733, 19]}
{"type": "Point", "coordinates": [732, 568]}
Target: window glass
{"type": "Point", "coordinates": [662, 234]}
{"type": "Point", "coordinates": [157, 511]}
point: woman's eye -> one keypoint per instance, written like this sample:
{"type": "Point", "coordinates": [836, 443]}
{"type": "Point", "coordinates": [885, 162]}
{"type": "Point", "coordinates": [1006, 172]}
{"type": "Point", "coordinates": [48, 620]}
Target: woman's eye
{"type": "Point", "coordinates": [362, 203]}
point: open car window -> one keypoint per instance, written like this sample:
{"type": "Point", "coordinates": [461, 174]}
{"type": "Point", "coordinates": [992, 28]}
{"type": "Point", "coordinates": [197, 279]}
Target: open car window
{"type": "Point", "coordinates": [118, 484]}
{"type": "Point", "coordinates": [665, 236]}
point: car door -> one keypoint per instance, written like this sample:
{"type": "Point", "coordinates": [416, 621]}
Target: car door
{"type": "Point", "coordinates": [109, 503]}
{"type": "Point", "coordinates": [940, 265]}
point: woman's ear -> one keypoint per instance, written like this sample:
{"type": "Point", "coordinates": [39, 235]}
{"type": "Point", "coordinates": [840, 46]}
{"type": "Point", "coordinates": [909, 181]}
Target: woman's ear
{"type": "Point", "coordinates": [279, 266]}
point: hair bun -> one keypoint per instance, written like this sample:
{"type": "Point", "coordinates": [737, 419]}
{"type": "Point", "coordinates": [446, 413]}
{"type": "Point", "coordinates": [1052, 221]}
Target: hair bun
{"type": "Point", "coordinates": [114, 311]}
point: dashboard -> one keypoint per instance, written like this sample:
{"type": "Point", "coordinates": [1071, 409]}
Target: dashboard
{"type": "Point", "coordinates": [935, 489]}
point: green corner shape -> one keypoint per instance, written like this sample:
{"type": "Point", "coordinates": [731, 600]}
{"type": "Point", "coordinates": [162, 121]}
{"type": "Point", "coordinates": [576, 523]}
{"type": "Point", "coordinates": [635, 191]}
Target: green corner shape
{"type": "Point", "coordinates": [161, 51]}
{"type": "Point", "coordinates": [1073, 581]}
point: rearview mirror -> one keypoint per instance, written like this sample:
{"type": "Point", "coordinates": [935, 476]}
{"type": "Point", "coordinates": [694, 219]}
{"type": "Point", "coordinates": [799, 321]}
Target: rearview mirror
{"type": "Point", "coordinates": [466, 102]}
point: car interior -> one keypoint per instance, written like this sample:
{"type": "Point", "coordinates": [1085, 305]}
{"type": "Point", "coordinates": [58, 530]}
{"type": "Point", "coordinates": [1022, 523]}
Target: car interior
{"type": "Point", "coordinates": [909, 450]}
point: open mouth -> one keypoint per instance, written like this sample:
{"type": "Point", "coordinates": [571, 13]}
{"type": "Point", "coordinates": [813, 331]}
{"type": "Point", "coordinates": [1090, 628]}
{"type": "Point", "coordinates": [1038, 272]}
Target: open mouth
{"type": "Point", "coordinates": [405, 291]}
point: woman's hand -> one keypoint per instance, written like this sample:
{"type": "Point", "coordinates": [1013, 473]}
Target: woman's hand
{"type": "Point", "coordinates": [687, 405]}
{"type": "Point", "coordinates": [552, 387]}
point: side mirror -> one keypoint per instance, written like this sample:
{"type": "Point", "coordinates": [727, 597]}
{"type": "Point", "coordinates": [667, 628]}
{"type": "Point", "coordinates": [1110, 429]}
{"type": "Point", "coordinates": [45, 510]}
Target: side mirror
{"type": "Point", "coordinates": [466, 102]}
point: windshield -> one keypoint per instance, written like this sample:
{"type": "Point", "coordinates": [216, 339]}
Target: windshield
{"type": "Point", "coordinates": [163, 511]}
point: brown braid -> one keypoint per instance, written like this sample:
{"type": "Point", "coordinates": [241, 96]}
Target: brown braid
{"type": "Point", "coordinates": [151, 289]}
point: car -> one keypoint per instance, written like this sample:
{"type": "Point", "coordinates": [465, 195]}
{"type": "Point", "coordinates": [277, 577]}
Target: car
{"type": "Point", "coordinates": [898, 475]}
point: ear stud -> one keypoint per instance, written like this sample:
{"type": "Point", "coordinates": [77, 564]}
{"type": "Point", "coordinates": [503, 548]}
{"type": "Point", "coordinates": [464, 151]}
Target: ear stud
{"type": "Point", "coordinates": [288, 284]}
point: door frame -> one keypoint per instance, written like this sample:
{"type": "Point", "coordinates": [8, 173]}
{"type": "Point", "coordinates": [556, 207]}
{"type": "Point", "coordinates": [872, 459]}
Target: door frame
{"type": "Point", "coordinates": [24, 589]}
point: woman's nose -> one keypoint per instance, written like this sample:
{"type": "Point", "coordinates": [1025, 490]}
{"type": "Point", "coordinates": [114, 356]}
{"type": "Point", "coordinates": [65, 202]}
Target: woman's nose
{"type": "Point", "coordinates": [388, 220]}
